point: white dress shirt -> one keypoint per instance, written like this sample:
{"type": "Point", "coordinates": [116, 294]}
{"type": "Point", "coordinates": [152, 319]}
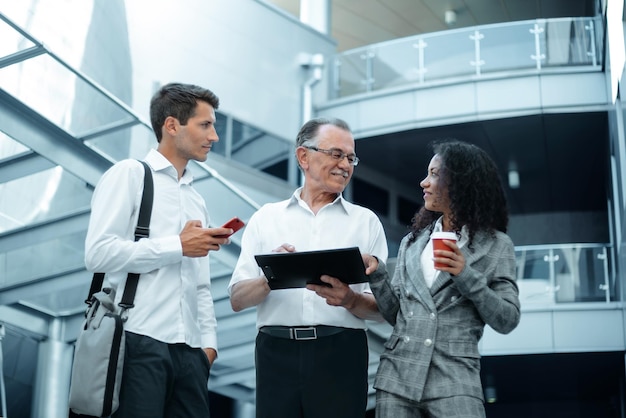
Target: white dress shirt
{"type": "Point", "coordinates": [339, 224]}
{"type": "Point", "coordinates": [173, 303]}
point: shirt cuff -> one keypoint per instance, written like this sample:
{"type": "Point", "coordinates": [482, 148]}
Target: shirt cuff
{"type": "Point", "coordinates": [209, 341]}
{"type": "Point", "coordinates": [170, 249]}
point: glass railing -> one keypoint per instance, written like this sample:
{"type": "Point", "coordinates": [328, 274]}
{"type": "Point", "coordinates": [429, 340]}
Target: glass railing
{"type": "Point", "coordinates": [564, 273]}
{"type": "Point", "coordinates": [563, 44]}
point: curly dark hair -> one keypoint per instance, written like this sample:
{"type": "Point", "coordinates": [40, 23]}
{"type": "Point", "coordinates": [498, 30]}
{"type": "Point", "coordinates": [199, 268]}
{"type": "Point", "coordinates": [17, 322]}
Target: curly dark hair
{"type": "Point", "coordinates": [178, 100]}
{"type": "Point", "coordinates": [477, 198]}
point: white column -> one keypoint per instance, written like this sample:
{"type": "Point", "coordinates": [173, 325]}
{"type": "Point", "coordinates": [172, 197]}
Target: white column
{"type": "Point", "coordinates": [3, 392]}
{"type": "Point", "coordinates": [52, 379]}
{"type": "Point", "coordinates": [313, 64]}
{"type": "Point", "coordinates": [316, 13]}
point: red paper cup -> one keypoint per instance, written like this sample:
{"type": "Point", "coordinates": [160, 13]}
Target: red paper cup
{"type": "Point", "coordinates": [438, 243]}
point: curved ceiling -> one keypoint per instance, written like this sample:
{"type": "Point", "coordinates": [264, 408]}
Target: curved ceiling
{"type": "Point", "coordinates": [355, 24]}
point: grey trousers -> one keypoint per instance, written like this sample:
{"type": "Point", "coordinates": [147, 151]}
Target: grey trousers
{"type": "Point", "coordinates": [389, 405]}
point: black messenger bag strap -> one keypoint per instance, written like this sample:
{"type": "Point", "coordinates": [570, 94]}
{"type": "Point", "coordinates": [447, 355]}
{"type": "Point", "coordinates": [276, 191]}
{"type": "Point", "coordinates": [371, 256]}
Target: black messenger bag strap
{"type": "Point", "coordinates": [141, 231]}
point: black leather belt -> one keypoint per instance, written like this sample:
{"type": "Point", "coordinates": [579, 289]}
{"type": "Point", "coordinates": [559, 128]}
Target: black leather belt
{"type": "Point", "coordinates": [301, 333]}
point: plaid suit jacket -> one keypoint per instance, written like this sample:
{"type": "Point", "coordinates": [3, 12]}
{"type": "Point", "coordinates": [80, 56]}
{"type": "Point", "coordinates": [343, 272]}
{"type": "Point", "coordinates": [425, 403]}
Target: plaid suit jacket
{"type": "Point", "coordinates": [433, 349]}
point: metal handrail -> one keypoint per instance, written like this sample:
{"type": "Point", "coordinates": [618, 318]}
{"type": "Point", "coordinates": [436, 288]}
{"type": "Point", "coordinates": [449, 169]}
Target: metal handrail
{"type": "Point", "coordinates": [362, 60]}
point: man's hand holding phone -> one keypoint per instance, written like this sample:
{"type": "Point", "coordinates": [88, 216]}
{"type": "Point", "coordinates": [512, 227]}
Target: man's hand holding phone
{"type": "Point", "coordinates": [235, 224]}
{"type": "Point", "coordinates": [198, 241]}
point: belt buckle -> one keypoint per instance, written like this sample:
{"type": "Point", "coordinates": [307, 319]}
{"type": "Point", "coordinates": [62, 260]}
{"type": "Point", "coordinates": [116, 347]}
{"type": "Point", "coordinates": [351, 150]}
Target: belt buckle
{"type": "Point", "coordinates": [295, 333]}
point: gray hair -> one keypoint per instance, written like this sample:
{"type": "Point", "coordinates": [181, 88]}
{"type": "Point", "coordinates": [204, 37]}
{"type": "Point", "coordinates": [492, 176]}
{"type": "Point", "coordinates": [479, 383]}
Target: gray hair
{"type": "Point", "coordinates": [308, 133]}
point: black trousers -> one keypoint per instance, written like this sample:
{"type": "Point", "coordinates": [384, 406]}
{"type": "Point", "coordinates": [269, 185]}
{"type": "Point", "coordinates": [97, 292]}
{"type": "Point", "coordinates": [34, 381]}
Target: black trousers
{"type": "Point", "coordinates": [163, 380]}
{"type": "Point", "coordinates": [322, 378]}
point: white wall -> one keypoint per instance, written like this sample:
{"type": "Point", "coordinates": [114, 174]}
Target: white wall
{"type": "Point", "coordinates": [244, 50]}
{"type": "Point", "coordinates": [560, 329]}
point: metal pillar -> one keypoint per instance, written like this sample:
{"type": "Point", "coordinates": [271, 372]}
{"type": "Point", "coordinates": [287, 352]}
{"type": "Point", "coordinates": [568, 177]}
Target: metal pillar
{"type": "Point", "coordinates": [316, 13]}
{"type": "Point", "coordinates": [244, 410]}
{"type": "Point", "coordinates": [52, 379]}
{"type": "Point", "coordinates": [3, 392]}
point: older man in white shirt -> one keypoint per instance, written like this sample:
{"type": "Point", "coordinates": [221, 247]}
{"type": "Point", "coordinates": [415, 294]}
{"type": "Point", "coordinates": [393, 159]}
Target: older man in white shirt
{"type": "Point", "coordinates": [311, 349]}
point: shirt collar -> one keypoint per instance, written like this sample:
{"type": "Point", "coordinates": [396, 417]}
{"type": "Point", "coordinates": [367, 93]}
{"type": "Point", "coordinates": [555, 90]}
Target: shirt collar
{"type": "Point", "coordinates": [295, 199]}
{"type": "Point", "coordinates": [158, 162]}
{"type": "Point", "coordinates": [463, 234]}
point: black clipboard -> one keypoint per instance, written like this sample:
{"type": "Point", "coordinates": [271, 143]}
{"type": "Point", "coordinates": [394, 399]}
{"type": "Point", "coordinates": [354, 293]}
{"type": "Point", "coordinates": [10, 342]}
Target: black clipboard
{"type": "Point", "coordinates": [293, 270]}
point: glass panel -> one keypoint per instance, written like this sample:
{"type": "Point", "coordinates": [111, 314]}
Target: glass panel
{"type": "Point", "coordinates": [67, 102]}
{"type": "Point", "coordinates": [221, 269]}
{"type": "Point", "coordinates": [9, 147]}
{"type": "Point", "coordinates": [508, 48]}
{"type": "Point", "coordinates": [564, 274]}
{"type": "Point", "coordinates": [533, 277]}
{"type": "Point", "coordinates": [244, 133]}
{"type": "Point", "coordinates": [558, 34]}
{"type": "Point", "coordinates": [449, 54]}
{"type": "Point", "coordinates": [570, 42]}
{"type": "Point", "coordinates": [222, 203]}
{"type": "Point", "coordinates": [132, 142]}
{"type": "Point", "coordinates": [458, 53]}
{"type": "Point", "coordinates": [41, 196]}
{"type": "Point", "coordinates": [395, 64]}
{"type": "Point", "coordinates": [62, 300]}
{"type": "Point", "coordinates": [352, 73]}
{"type": "Point", "coordinates": [580, 275]}
{"type": "Point", "coordinates": [64, 32]}
{"type": "Point", "coordinates": [57, 256]}
{"type": "Point", "coordinates": [12, 41]}
{"type": "Point", "coordinates": [266, 150]}
{"type": "Point", "coordinates": [221, 126]}
{"type": "Point", "coordinates": [258, 149]}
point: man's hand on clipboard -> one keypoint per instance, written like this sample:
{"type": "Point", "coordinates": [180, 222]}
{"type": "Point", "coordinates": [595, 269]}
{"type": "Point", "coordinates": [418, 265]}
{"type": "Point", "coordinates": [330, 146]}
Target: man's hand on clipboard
{"type": "Point", "coordinates": [285, 248]}
{"type": "Point", "coordinates": [337, 293]}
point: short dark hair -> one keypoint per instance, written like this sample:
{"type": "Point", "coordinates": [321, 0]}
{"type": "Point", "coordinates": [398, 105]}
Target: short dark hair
{"type": "Point", "coordinates": [308, 132]}
{"type": "Point", "coordinates": [178, 100]}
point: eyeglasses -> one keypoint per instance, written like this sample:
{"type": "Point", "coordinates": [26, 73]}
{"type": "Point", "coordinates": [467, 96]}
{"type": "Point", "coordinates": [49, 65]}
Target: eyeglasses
{"type": "Point", "coordinates": [337, 155]}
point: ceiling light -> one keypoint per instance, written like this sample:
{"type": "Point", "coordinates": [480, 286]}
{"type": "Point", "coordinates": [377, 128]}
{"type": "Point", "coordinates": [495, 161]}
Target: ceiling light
{"type": "Point", "coordinates": [491, 395]}
{"type": "Point", "coordinates": [513, 179]}
{"type": "Point", "coordinates": [450, 17]}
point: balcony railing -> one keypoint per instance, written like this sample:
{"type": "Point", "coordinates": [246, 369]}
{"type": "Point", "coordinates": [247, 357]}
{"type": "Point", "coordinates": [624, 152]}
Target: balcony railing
{"type": "Point", "coordinates": [564, 273]}
{"type": "Point", "coordinates": [564, 44]}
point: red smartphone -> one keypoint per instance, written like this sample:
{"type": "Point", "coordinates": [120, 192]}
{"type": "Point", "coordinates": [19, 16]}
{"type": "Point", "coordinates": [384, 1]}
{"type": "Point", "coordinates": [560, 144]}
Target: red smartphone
{"type": "Point", "coordinates": [235, 223]}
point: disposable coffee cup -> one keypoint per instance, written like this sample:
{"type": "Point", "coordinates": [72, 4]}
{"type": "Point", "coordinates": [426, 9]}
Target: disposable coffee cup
{"type": "Point", "coordinates": [438, 243]}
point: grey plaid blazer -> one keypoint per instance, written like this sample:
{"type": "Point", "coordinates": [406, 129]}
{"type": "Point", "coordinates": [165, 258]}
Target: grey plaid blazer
{"type": "Point", "coordinates": [433, 349]}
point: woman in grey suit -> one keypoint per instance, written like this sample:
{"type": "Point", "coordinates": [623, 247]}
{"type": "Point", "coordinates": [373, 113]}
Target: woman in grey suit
{"type": "Point", "coordinates": [431, 365]}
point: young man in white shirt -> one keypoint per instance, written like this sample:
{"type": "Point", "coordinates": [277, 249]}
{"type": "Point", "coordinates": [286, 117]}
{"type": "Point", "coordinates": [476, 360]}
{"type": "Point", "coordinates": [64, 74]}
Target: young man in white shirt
{"type": "Point", "coordinates": [171, 330]}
